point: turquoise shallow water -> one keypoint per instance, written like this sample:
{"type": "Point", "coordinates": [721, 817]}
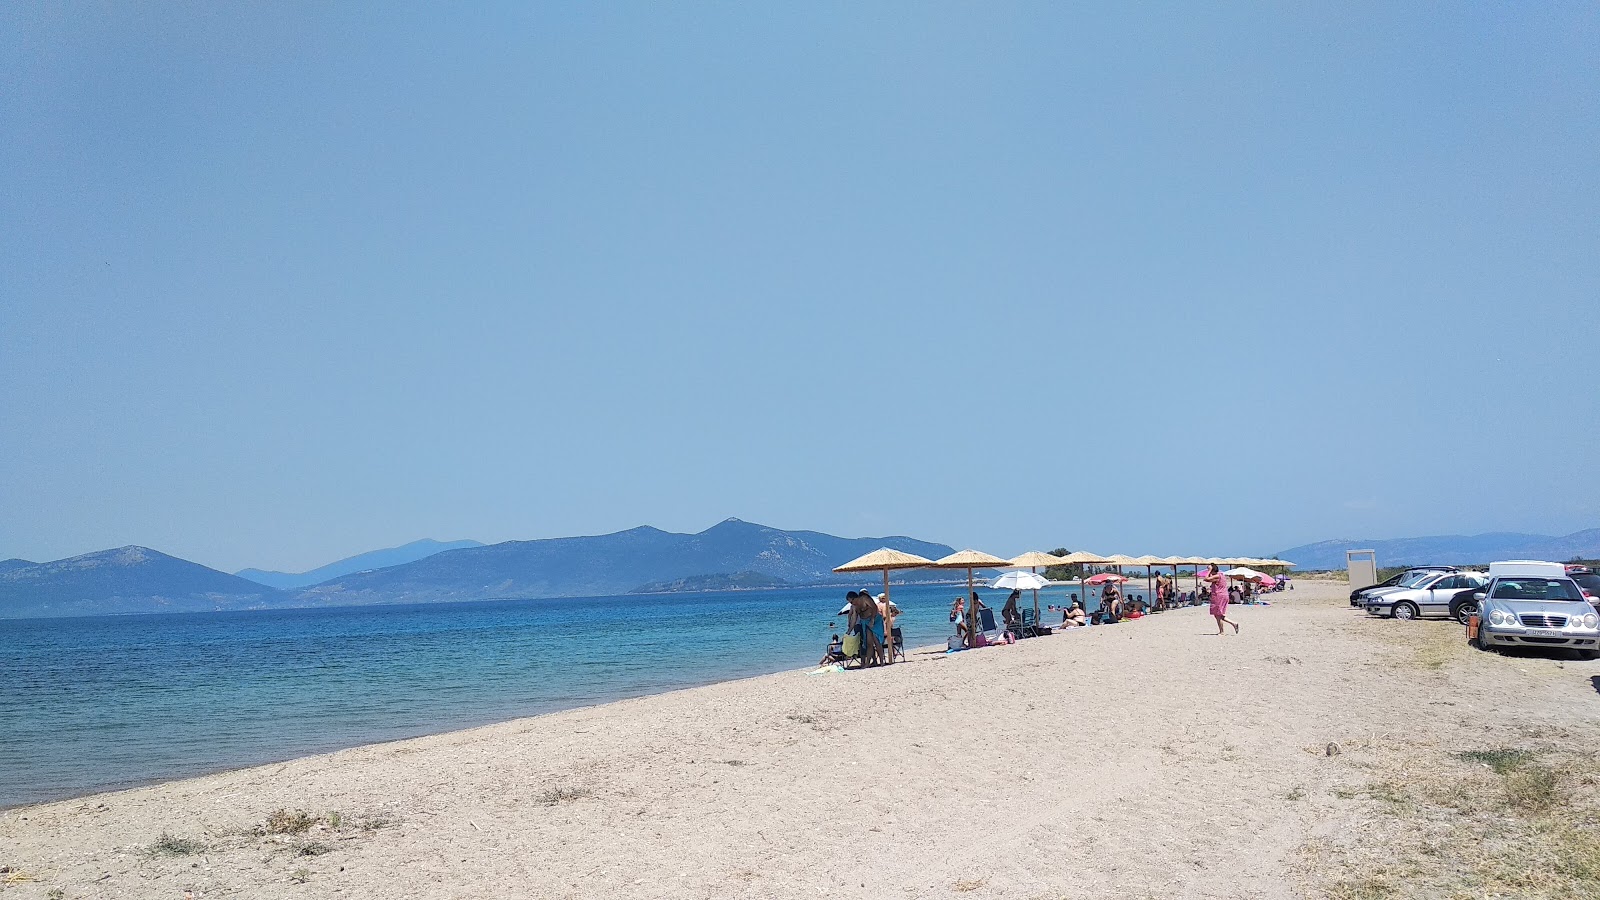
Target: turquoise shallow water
{"type": "Point", "coordinates": [98, 703]}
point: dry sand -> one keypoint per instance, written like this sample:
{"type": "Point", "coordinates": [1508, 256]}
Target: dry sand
{"type": "Point", "coordinates": [1146, 759]}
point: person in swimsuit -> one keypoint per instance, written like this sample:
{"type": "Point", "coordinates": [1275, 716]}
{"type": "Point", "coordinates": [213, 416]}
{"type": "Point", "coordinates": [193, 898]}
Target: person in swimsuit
{"type": "Point", "coordinates": [1074, 616]}
{"type": "Point", "coordinates": [1009, 613]}
{"type": "Point", "coordinates": [866, 612]}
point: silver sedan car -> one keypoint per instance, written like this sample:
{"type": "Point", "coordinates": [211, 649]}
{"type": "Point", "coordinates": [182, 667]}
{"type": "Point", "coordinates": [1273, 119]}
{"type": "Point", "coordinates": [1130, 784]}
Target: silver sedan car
{"type": "Point", "coordinates": [1431, 595]}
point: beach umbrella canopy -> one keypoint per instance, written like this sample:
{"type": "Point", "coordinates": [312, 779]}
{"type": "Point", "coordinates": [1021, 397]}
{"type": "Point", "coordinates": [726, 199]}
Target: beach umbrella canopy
{"type": "Point", "coordinates": [1082, 557]}
{"type": "Point", "coordinates": [1120, 559]}
{"type": "Point", "coordinates": [1019, 581]}
{"type": "Point", "coordinates": [885, 560]}
{"type": "Point", "coordinates": [1033, 559]}
{"type": "Point", "coordinates": [969, 560]}
{"type": "Point", "coordinates": [1245, 574]}
{"type": "Point", "coordinates": [1275, 563]}
{"type": "Point", "coordinates": [1104, 577]}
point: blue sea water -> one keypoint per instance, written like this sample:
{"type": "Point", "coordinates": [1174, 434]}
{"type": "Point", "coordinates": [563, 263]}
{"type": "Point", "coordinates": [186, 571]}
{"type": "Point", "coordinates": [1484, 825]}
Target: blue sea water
{"type": "Point", "coordinates": [97, 703]}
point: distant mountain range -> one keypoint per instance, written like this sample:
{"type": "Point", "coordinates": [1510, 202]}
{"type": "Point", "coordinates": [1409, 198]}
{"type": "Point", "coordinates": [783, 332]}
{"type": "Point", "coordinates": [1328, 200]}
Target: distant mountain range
{"type": "Point", "coordinates": [125, 580]}
{"type": "Point", "coordinates": [140, 580]}
{"type": "Point", "coordinates": [375, 559]}
{"type": "Point", "coordinates": [611, 564]}
{"type": "Point", "coordinates": [1451, 549]}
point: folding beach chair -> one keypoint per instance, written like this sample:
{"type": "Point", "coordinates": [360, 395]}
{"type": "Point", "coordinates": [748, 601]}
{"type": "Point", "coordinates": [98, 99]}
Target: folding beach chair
{"type": "Point", "coordinates": [1030, 625]}
{"type": "Point", "coordinates": [899, 645]}
{"type": "Point", "coordinates": [991, 632]}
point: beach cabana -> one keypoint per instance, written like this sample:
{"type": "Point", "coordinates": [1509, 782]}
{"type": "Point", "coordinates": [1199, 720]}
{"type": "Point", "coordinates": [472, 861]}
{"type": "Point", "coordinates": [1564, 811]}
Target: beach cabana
{"type": "Point", "coordinates": [1149, 562]}
{"type": "Point", "coordinates": [1119, 560]}
{"type": "Point", "coordinates": [969, 560]}
{"type": "Point", "coordinates": [1083, 558]}
{"type": "Point", "coordinates": [1174, 562]}
{"type": "Point", "coordinates": [1033, 559]}
{"type": "Point", "coordinates": [886, 560]}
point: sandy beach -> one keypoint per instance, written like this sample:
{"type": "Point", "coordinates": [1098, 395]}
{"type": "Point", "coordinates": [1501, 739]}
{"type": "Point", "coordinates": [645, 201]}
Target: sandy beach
{"type": "Point", "coordinates": [1317, 753]}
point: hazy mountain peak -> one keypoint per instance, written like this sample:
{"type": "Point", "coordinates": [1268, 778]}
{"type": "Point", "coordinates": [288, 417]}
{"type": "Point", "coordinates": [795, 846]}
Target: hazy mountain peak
{"type": "Point", "coordinates": [372, 559]}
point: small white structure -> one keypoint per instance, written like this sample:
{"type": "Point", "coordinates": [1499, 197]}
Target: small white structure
{"type": "Point", "coordinates": [1363, 568]}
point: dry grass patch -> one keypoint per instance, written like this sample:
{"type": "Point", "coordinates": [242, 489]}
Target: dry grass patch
{"type": "Point", "coordinates": [1500, 822]}
{"type": "Point", "coordinates": [172, 845]}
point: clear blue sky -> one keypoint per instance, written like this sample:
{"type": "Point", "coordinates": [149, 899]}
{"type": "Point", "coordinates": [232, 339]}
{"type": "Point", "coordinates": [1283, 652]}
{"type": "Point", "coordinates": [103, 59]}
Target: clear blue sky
{"type": "Point", "coordinates": [284, 282]}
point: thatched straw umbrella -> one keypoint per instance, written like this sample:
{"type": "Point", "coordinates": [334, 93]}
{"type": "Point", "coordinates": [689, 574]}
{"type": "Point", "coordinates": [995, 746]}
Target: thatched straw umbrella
{"type": "Point", "coordinates": [969, 560]}
{"type": "Point", "coordinates": [1149, 562]}
{"type": "Point", "coordinates": [886, 559]}
{"type": "Point", "coordinates": [1033, 559]}
{"type": "Point", "coordinates": [1174, 562]}
{"type": "Point", "coordinates": [1083, 558]}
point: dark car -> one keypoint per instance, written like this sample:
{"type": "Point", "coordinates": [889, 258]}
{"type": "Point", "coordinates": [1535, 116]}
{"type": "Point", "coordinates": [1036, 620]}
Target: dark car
{"type": "Point", "coordinates": [1358, 595]}
{"type": "Point", "coordinates": [1588, 582]}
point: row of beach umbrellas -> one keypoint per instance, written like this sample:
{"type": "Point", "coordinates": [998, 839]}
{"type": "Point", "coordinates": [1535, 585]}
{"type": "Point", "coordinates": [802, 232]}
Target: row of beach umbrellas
{"type": "Point", "coordinates": [888, 560]}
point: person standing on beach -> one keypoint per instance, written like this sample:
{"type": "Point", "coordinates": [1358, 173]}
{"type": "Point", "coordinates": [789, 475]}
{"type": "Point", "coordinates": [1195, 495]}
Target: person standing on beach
{"type": "Point", "coordinates": [1218, 583]}
{"type": "Point", "coordinates": [866, 610]}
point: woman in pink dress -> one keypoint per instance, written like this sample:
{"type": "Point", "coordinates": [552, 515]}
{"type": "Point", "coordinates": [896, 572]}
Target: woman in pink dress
{"type": "Point", "coordinates": [1219, 598]}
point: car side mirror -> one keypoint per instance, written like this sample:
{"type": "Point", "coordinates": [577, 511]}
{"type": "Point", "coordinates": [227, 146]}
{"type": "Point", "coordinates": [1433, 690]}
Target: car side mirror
{"type": "Point", "coordinates": [1478, 596]}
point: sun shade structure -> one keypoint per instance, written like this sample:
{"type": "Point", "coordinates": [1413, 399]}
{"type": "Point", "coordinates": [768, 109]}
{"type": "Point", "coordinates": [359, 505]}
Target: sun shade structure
{"type": "Point", "coordinates": [1149, 562]}
{"type": "Point", "coordinates": [1033, 559]}
{"type": "Point", "coordinates": [969, 560]}
{"type": "Point", "coordinates": [886, 560]}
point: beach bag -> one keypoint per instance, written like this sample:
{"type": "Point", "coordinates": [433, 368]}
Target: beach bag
{"type": "Point", "coordinates": [852, 645]}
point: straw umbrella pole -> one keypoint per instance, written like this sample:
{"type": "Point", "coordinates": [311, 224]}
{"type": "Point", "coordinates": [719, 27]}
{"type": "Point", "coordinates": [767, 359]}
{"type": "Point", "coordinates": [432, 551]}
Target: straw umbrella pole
{"type": "Point", "coordinates": [886, 559]}
{"type": "Point", "coordinates": [1149, 563]}
{"type": "Point", "coordinates": [1119, 560]}
{"type": "Point", "coordinates": [1083, 558]}
{"type": "Point", "coordinates": [1174, 562]}
{"type": "Point", "coordinates": [969, 560]}
{"type": "Point", "coordinates": [1033, 559]}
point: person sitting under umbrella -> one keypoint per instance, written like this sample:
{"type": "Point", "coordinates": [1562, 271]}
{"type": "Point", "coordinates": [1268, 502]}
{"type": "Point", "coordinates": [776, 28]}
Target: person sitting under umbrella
{"type": "Point", "coordinates": [1074, 616]}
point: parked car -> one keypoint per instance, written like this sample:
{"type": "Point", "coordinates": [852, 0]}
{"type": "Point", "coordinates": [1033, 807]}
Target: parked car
{"type": "Point", "coordinates": [1536, 604]}
{"type": "Point", "coordinates": [1433, 594]}
{"type": "Point", "coordinates": [1359, 595]}
{"type": "Point", "coordinates": [1588, 582]}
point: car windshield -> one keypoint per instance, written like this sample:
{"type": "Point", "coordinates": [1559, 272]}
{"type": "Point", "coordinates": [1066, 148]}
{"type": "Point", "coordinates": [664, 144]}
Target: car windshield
{"type": "Point", "coordinates": [1536, 589]}
{"type": "Point", "coordinates": [1416, 578]}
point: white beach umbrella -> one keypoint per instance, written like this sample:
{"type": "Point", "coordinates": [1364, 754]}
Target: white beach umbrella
{"type": "Point", "coordinates": [1019, 581]}
{"type": "Point", "coordinates": [1033, 559]}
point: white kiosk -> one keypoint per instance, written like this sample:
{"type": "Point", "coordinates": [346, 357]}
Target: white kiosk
{"type": "Point", "coordinates": [1363, 568]}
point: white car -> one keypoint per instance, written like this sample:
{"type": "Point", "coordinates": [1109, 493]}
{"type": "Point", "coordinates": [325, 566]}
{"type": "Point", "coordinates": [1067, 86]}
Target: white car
{"type": "Point", "coordinates": [1536, 605]}
{"type": "Point", "coordinates": [1434, 594]}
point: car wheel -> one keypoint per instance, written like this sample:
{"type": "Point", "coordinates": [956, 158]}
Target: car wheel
{"type": "Point", "coordinates": [1480, 643]}
{"type": "Point", "coordinates": [1466, 611]}
{"type": "Point", "coordinates": [1404, 610]}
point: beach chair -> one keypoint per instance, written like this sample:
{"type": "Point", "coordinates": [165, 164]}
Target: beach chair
{"type": "Point", "coordinates": [1030, 625]}
{"type": "Point", "coordinates": [991, 632]}
{"type": "Point", "coordinates": [899, 645]}
{"type": "Point", "coordinates": [852, 648]}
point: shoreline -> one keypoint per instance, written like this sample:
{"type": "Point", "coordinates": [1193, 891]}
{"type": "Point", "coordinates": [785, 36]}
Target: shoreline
{"type": "Point", "coordinates": [1143, 759]}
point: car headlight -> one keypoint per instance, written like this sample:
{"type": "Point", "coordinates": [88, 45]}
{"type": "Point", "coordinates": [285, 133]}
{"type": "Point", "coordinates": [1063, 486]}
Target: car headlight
{"type": "Point", "coordinates": [1591, 620]}
{"type": "Point", "coordinates": [1500, 617]}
